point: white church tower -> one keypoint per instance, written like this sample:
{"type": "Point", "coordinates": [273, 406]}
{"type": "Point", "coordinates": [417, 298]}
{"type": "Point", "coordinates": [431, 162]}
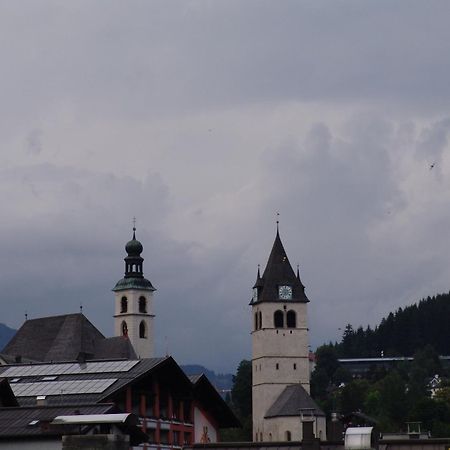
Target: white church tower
{"type": "Point", "coordinates": [280, 359]}
{"type": "Point", "coordinates": [134, 316]}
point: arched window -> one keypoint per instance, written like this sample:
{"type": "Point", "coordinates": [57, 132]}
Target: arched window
{"type": "Point", "coordinates": [123, 305]}
{"type": "Point", "coordinates": [142, 330]}
{"type": "Point", "coordinates": [270, 436]}
{"type": "Point", "coordinates": [142, 305]}
{"type": "Point", "coordinates": [124, 328]}
{"type": "Point", "coordinates": [291, 319]}
{"type": "Point", "coordinates": [288, 436]}
{"type": "Point", "coordinates": [278, 319]}
{"type": "Point", "coordinates": [256, 321]}
{"type": "Point", "coordinates": [260, 320]}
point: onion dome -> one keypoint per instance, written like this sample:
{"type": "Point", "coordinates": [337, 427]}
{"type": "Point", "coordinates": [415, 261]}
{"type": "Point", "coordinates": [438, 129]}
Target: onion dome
{"type": "Point", "coordinates": [134, 247]}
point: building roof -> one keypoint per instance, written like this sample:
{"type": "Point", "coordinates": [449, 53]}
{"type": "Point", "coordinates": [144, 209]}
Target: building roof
{"type": "Point", "coordinates": [20, 422]}
{"type": "Point", "coordinates": [211, 400]}
{"type": "Point", "coordinates": [65, 338]}
{"type": "Point", "coordinates": [292, 401]}
{"type": "Point", "coordinates": [278, 272]}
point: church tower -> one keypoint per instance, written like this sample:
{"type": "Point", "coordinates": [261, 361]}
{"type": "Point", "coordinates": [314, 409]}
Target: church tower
{"type": "Point", "coordinates": [134, 302]}
{"type": "Point", "coordinates": [280, 355]}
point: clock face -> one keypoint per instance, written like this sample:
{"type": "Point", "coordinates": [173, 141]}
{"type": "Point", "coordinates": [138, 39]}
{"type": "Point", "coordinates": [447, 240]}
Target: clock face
{"type": "Point", "coordinates": [255, 294]}
{"type": "Point", "coordinates": [285, 292]}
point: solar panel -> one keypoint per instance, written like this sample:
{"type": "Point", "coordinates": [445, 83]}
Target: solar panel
{"type": "Point", "coordinates": [62, 387]}
{"type": "Point", "coordinates": [33, 370]}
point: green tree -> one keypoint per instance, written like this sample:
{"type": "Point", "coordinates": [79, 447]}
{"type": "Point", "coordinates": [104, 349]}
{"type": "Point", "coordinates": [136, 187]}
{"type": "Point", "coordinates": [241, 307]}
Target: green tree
{"type": "Point", "coordinates": [241, 393]}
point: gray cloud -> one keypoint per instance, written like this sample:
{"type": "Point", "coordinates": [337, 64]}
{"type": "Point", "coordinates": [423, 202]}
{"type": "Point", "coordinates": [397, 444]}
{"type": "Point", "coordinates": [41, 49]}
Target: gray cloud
{"type": "Point", "coordinates": [203, 119]}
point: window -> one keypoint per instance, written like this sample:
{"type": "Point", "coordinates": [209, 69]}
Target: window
{"type": "Point", "coordinates": [124, 329]}
{"type": "Point", "coordinates": [260, 320]}
{"type": "Point", "coordinates": [142, 330]}
{"type": "Point", "coordinates": [277, 366]}
{"type": "Point", "coordinates": [278, 319]}
{"type": "Point", "coordinates": [256, 321]}
{"type": "Point", "coordinates": [123, 305]}
{"type": "Point", "coordinates": [291, 319]}
{"type": "Point", "coordinates": [142, 305]}
{"type": "Point", "coordinates": [295, 366]}
{"type": "Point", "coordinates": [288, 436]}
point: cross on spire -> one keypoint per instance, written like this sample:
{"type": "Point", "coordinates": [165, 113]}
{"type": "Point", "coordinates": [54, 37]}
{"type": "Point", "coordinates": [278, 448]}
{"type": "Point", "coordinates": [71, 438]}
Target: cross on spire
{"type": "Point", "coordinates": [134, 223]}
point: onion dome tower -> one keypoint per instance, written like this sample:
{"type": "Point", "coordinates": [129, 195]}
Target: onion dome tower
{"type": "Point", "coordinates": [134, 318]}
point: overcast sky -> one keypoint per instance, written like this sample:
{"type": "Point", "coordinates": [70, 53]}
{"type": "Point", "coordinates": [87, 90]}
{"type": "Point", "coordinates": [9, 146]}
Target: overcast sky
{"type": "Point", "coordinates": [203, 119]}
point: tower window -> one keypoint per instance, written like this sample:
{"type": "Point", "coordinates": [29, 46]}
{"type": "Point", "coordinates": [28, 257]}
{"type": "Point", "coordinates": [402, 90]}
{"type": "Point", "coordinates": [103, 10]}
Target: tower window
{"type": "Point", "coordinates": [278, 319]}
{"type": "Point", "coordinates": [256, 321]}
{"type": "Point", "coordinates": [288, 436]}
{"type": "Point", "coordinates": [291, 319]}
{"type": "Point", "coordinates": [142, 330]}
{"type": "Point", "coordinates": [295, 366]}
{"type": "Point", "coordinates": [123, 305]}
{"type": "Point", "coordinates": [260, 320]}
{"type": "Point", "coordinates": [124, 328]}
{"type": "Point", "coordinates": [277, 366]}
{"type": "Point", "coordinates": [142, 305]}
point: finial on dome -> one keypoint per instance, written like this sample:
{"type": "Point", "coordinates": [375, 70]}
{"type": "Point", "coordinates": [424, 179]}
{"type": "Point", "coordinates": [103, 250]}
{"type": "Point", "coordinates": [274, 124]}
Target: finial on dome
{"type": "Point", "coordinates": [278, 222]}
{"type": "Point", "coordinates": [134, 227]}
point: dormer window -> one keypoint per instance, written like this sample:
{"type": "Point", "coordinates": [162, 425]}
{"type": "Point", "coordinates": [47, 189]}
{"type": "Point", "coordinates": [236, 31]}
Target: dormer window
{"type": "Point", "coordinates": [255, 294]}
{"type": "Point", "coordinates": [285, 292]}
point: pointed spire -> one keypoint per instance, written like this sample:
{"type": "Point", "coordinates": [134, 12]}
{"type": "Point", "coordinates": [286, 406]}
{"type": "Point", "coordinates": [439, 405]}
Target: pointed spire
{"type": "Point", "coordinates": [279, 272]}
{"type": "Point", "coordinates": [259, 276]}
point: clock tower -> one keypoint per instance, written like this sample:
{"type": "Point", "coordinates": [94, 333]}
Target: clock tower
{"type": "Point", "coordinates": [134, 316]}
{"type": "Point", "coordinates": [280, 354]}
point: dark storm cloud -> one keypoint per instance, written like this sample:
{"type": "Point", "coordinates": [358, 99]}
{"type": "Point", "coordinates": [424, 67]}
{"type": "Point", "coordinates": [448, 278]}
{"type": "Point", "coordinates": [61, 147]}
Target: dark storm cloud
{"type": "Point", "coordinates": [203, 119]}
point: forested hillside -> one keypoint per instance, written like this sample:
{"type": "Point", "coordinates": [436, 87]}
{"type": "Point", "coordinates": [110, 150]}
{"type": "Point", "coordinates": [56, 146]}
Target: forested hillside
{"type": "Point", "coordinates": [403, 332]}
{"type": "Point", "coordinates": [414, 391]}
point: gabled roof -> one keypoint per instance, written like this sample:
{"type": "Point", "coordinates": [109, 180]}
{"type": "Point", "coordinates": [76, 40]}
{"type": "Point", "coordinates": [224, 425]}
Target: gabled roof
{"type": "Point", "coordinates": [279, 272]}
{"type": "Point", "coordinates": [25, 421]}
{"type": "Point", "coordinates": [65, 338]}
{"type": "Point", "coordinates": [55, 338]}
{"type": "Point", "coordinates": [292, 401]}
{"type": "Point", "coordinates": [213, 402]}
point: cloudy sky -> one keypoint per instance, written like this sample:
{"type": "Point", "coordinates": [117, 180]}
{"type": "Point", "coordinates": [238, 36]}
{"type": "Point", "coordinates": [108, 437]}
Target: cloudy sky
{"type": "Point", "coordinates": [203, 119]}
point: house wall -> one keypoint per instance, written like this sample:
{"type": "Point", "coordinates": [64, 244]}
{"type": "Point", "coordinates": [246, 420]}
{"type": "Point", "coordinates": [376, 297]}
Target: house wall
{"type": "Point", "coordinates": [205, 430]}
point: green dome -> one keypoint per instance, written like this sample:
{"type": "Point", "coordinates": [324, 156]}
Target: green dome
{"type": "Point", "coordinates": [134, 247]}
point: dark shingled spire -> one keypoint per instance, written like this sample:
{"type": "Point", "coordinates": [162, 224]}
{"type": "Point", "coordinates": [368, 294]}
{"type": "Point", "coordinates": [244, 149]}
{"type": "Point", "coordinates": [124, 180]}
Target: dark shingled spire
{"type": "Point", "coordinates": [279, 272]}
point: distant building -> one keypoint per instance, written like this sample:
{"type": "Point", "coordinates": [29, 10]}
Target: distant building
{"type": "Point", "coordinates": [280, 359]}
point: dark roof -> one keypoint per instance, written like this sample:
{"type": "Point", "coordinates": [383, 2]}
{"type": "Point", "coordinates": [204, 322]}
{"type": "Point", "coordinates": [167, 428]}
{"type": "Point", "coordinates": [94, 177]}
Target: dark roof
{"type": "Point", "coordinates": [55, 338]}
{"type": "Point", "coordinates": [291, 401]}
{"type": "Point", "coordinates": [167, 369]}
{"type": "Point", "coordinates": [64, 338]}
{"type": "Point", "coordinates": [213, 402]}
{"type": "Point", "coordinates": [19, 422]}
{"type": "Point", "coordinates": [278, 272]}
{"type": "Point", "coordinates": [114, 347]}
{"type": "Point", "coordinates": [7, 397]}
{"type": "Point", "coordinates": [133, 283]}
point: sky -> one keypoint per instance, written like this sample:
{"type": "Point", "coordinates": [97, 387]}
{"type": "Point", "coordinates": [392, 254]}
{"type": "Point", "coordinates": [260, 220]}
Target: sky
{"type": "Point", "coordinates": [203, 119]}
